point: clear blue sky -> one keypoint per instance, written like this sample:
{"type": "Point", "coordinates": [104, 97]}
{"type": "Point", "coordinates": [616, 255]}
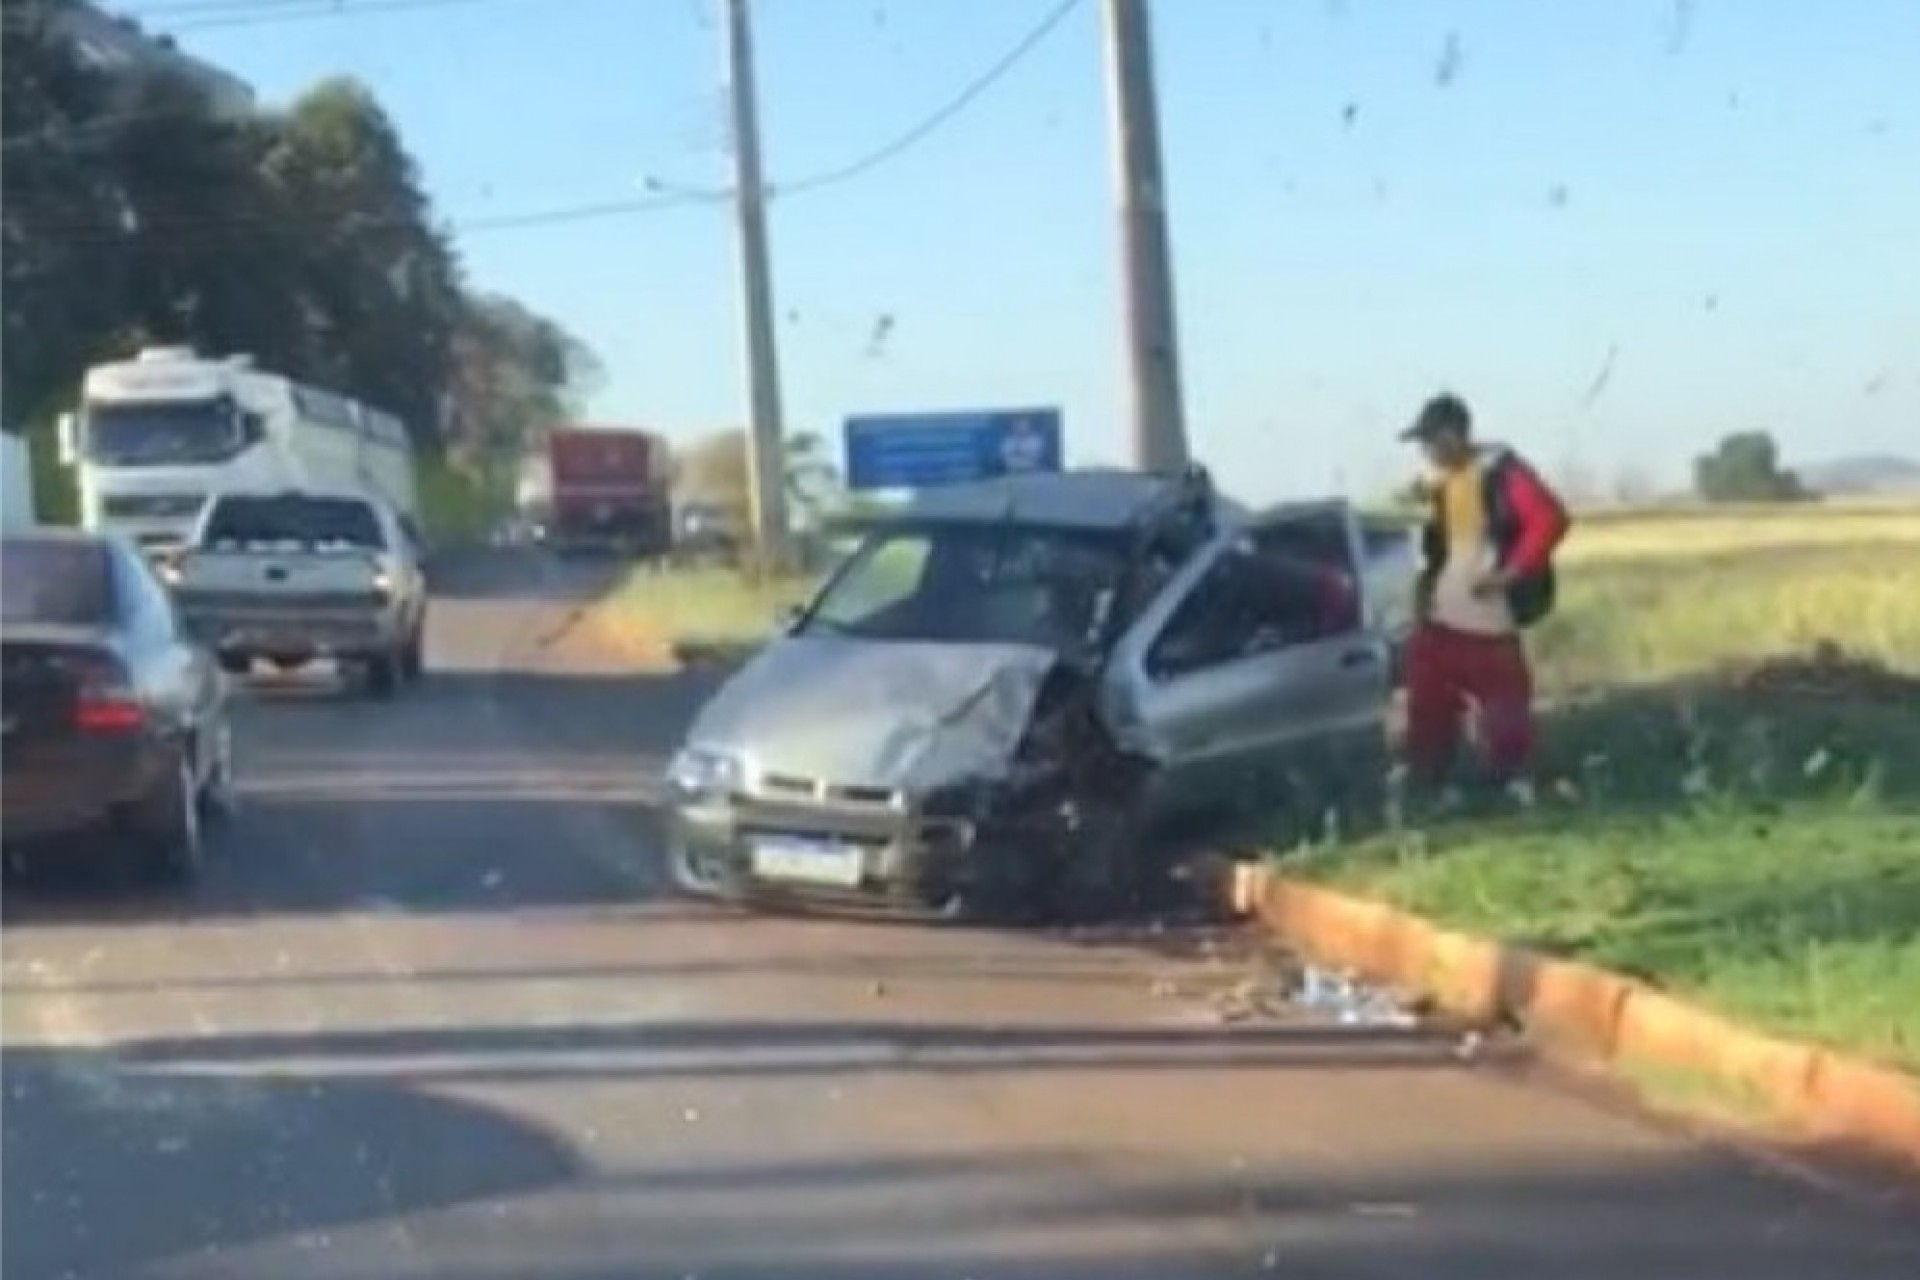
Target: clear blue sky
{"type": "Point", "coordinates": [1725, 194]}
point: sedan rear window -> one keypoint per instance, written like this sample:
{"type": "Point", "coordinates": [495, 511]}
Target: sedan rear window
{"type": "Point", "coordinates": [298, 519]}
{"type": "Point", "coordinates": [55, 583]}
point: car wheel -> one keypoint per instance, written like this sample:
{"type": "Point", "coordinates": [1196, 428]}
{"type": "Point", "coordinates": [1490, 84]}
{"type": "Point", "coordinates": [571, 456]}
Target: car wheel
{"type": "Point", "coordinates": [171, 843]}
{"type": "Point", "coordinates": [216, 799]}
{"type": "Point", "coordinates": [1100, 874]}
{"type": "Point", "coordinates": [382, 674]}
{"type": "Point", "coordinates": [1007, 887]}
{"type": "Point", "coordinates": [236, 664]}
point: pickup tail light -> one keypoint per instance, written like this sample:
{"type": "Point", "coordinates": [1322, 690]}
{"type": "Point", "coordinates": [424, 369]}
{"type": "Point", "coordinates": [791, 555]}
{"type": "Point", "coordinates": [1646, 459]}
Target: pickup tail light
{"type": "Point", "coordinates": [105, 701]}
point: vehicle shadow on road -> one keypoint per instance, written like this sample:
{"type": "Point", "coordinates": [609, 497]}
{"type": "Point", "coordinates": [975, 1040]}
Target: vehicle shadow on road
{"type": "Point", "coordinates": [131, 1160]}
{"type": "Point", "coordinates": [110, 1167]}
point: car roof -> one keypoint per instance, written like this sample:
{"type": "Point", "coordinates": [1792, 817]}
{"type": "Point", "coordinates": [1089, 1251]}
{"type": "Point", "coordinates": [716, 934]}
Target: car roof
{"type": "Point", "coordinates": [1091, 498]}
{"type": "Point", "coordinates": [58, 533]}
{"type": "Point", "coordinates": [339, 493]}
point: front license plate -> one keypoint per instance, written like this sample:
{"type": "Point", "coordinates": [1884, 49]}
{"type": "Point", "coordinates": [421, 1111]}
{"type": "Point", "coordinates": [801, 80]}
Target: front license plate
{"type": "Point", "coordinates": [808, 862]}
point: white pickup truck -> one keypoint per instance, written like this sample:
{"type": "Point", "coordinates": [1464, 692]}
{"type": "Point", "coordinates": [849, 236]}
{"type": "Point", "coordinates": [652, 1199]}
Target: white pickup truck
{"type": "Point", "coordinates": [299, 575]}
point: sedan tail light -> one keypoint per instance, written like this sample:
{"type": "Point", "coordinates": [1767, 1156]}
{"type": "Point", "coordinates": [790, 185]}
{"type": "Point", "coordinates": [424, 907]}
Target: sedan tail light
{"type": "Point", "coordinates": [105, 701]}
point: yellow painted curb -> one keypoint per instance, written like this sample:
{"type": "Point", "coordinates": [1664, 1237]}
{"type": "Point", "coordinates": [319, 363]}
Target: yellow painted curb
{"type": "Point", "coordinates": [1582, 1010]}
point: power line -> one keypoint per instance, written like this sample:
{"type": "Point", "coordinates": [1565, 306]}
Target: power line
{"type": "Point", "coordinates": [213, 231]}
{"type": "Point", "coordinates": [666, 197]}
{"type": "Point", "coordinates": [213, 15]}
{"type": "Point", "coordinates": [191, 8]}
{"type": "Point", "coordinates": [933, 122]}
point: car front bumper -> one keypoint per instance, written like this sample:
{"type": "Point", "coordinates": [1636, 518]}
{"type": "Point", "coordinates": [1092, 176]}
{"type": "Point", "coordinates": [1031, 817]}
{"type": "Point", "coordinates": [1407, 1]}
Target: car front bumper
{"type": "Point", "coordinates": [858, 856]}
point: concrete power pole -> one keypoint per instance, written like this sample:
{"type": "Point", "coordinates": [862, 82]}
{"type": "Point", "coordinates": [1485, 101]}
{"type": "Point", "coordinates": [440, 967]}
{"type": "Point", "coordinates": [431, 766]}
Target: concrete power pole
{"type": "Point", "coordinates": [766, 445]}
{"type": "Point", "coordinates": [1152, 336]}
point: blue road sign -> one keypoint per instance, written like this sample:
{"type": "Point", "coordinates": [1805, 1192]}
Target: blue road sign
{"type": "Point", "coordinates": [922, 450]}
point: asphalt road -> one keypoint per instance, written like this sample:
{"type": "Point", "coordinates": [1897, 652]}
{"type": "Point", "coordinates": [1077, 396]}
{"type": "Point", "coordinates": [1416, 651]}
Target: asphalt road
{"type": "Point", "coordinates": [430, 1015]}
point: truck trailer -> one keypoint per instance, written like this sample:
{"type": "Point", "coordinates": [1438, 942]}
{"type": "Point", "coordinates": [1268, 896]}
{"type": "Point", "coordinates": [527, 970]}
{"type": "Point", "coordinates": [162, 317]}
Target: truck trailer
{"type": "Point", "coordinates": [609, 489]}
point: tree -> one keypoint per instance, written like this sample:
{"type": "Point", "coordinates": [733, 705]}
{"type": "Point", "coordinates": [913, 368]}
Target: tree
{"type": "Point", "coordinates": [1745, 467]}
{"type": "Point", "coordinates": [516, 374]}
{"type": "Point", "coordinates": [378, 279]}
{"type": "Point", "coordinates": [60, 293]}
{"type": "Point", "coordinates": [714, 470]}
{"type": "Point", "coordinates": [136, 214]}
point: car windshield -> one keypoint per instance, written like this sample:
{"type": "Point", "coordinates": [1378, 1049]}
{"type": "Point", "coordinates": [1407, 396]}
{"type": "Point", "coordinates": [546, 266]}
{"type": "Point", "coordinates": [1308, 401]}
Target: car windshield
{"type": "Point", "coordinates": [55, 583]}
{"type": "Point", "coordinates": [975, 584]}
{"type": "Point", "coordinates": [161, 434]}
{"type": "Point", "coordinates": [298, 519]}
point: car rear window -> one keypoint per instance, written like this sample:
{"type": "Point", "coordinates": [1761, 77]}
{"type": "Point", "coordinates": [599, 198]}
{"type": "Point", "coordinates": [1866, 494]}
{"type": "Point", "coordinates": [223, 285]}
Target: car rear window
{"type": "Point", "coordinates": [57, 583]}
{"type": "Point", "coordinates": [299, 519]}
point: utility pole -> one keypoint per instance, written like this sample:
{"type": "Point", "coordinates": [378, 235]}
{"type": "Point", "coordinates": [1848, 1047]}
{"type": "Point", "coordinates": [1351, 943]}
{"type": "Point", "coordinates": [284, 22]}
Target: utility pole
{"type": "Point", "coordinates": [766, 451]}
{"type": "Point", "coordinates": [1152, 336]}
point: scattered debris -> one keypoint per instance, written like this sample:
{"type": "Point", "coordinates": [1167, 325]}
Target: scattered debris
{"type": "Point", "coordinates": [1352, 1002]}
{"type": "Point", "coordinates": [1447, 69]}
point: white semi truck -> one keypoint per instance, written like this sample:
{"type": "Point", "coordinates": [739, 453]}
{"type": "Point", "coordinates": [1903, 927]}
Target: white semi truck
{"type": "Point", "coordinates": [158, 435]}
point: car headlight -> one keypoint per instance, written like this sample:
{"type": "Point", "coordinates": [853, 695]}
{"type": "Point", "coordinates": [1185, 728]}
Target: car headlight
{"type": "Point", "coordinates": [698, 771]}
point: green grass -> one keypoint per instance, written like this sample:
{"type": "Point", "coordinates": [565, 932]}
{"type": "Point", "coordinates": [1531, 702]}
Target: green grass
{"type": "Point", "coordinates": [1801, 922]}
{"type": "Point", "coordinates": [720, 606]}
{"type": "Point", "coordinates": [1626, 618]}
{"type": "Point", "coordinates": [1751, 840]}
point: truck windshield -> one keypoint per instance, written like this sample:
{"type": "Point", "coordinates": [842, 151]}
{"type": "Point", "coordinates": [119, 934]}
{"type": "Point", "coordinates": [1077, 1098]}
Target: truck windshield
{"type": "Point", "coordinates": [968, 583]}
{"type": "Point", "coordinates": [302, 520]}
{"type": "Point", "coordinates": [170, 433]}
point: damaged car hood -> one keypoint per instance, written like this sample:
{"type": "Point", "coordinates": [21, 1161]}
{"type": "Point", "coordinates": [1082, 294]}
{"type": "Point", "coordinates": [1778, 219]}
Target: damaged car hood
{"type": "Point", "coordinates": [863, 713]}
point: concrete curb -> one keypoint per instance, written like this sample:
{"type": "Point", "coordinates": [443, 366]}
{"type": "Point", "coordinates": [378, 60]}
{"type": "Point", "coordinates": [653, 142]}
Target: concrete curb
{"type": "Point", "coordinates": [1577, 1010]}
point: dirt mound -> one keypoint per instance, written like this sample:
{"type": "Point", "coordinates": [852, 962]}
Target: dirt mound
{"type": "Point", "coordinates": [1828, 671]}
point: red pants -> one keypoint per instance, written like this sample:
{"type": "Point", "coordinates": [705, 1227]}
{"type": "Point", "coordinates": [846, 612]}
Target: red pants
{"type": "Point", "coordinates": [1447, 673]}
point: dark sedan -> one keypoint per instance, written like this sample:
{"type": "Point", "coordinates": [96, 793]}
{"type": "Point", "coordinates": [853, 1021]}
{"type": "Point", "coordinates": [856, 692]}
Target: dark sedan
{"type": "Point", "coordinates": [115, 722]}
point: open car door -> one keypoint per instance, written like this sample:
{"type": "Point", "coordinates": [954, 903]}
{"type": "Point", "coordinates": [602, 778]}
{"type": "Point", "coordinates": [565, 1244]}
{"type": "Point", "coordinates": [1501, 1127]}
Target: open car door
{"type": "Point", "coordinates": [1257, 675]}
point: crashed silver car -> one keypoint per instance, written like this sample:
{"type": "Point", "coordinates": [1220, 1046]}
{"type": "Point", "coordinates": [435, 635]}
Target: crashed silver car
{"type": "Point", "coordinates": [1008, 686]}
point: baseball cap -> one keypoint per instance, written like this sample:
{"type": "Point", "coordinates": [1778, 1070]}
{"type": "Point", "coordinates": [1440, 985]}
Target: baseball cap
{"type": "Point", "coordinates": [1443, 413]}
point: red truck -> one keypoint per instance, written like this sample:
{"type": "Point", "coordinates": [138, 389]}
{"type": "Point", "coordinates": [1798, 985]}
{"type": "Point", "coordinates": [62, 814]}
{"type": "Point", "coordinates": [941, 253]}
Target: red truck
{"type": "Point", "coordinates": [611, 490]}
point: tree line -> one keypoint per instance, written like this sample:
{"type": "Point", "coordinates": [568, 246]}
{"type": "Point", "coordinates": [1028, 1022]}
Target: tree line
{"type": "Point", "coordinates": [136, 214]}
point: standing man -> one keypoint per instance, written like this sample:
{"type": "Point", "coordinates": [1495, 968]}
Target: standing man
{"type": "Point", "coordinates": [1487, 576]}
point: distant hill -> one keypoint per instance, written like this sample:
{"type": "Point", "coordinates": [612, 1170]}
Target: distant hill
{"type": "Point", "coordinates": [1866, 475]}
